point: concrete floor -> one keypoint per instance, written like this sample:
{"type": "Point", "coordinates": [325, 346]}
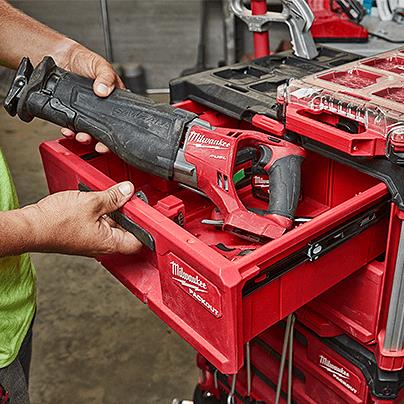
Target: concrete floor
{"type": "Point", "coordinates": [94, 342]}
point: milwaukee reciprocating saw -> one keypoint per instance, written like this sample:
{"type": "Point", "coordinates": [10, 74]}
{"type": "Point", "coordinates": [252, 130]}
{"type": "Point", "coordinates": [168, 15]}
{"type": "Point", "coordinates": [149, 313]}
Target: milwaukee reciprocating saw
{"type": "Point", "coordinates": [171, 143]}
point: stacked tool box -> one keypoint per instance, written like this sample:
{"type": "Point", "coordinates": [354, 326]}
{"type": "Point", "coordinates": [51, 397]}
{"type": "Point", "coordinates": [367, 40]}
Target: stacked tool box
{"type": "Point", "coordinates": [340, 269]}
{"type": "Point", "coordinates": [325, 370]}
{"type": "Point", "coordinates": [350, 348]}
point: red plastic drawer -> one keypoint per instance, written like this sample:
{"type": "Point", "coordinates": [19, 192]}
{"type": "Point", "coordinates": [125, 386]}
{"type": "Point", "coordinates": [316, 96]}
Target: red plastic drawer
{"type": "Point", "coordinates": [353, 305]}
{"type": "Point", "coordinates": [361, 304]}
{"type": "Point", "coordinates": [333, 370]}
{"type": "Point", "coordinates": [219, 298]}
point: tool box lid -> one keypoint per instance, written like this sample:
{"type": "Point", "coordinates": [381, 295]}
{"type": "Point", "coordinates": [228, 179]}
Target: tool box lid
{"type": "Point", "coordinates": [246, 89]}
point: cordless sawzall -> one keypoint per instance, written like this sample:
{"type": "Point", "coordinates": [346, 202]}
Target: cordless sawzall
{"type": "Point", "coordinates": [168, 142]}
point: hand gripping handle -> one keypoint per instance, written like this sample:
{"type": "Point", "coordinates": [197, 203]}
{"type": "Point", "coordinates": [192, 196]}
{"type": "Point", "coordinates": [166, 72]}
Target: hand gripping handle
{"type": "Point", "coordinates": [284, 182]}
{"type": "Point", "coordinates": [144, 134]}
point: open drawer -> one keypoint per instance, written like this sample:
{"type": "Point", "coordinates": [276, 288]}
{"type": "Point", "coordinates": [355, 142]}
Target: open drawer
{"type": "Point", "coordinates": [216, 290]}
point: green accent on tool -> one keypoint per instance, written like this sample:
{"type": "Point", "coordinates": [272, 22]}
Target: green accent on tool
{"type": "Point", "coordinates": [238, 176]}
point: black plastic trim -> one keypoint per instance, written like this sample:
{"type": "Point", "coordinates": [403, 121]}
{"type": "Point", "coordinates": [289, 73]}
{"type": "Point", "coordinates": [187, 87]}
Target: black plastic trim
{"type": "Point", "coordinates": [319, 246]}
{"type": "Point", "coordinates": [243, 90]}
{"type": "Point", "coordinates": [383, 385]}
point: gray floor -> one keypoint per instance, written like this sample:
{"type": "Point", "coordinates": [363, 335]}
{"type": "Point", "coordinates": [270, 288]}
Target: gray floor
{"type": "Point", "coordinates": [94, 341]}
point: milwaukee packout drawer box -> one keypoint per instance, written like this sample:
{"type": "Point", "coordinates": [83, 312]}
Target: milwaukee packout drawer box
{"type": "Point", "coordinates": [325, 370]}
{"type": "Point", "coordinates": [351, 113]}
{"type": "Point", "coordinates": [368, 304]}
{"type": "Point", "coordinates": [213, 288]}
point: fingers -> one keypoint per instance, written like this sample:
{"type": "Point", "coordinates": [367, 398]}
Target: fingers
{"type": "Point", "coordinates": [101, 148]}
{"type": "Point", "coordinates": [67, 133]}
{"type": "Point", "coordinates": [125, 242]}
{"type": "Point", "coordinates": [84, 138]}
{"type": "Point", "coordinates": [119, 83]}
{"type": "Point", "coordinates": [80, 137]}
{"type": "Point", "coordinates": [122, 241]}
{"type": "Point", "coordinates": [105, 78]}
{"type": "Point", "coordinates": [113, 198]}
{"type": "Point", "coordinates": [105, 81]}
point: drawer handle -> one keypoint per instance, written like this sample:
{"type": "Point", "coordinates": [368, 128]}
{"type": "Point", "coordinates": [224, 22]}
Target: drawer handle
{"type": "Point", "coordinates": [128, 224]}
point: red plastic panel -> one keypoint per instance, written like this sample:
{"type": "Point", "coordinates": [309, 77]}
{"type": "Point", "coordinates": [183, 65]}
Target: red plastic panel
{"type": "Point", "coordinates": [354, 304]}
{"type": "Point", "coordinates": [358, 306]}
{"type": "Point", "coordinates": [354, 78]}
{"type": "Point", "coordinates": [393, 64]}
{"type": "Point", "coordinates": [333, 26]}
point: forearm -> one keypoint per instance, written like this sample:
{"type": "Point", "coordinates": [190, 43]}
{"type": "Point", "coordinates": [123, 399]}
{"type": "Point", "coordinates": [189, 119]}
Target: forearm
{"type": "Point", "coordinates": [21, 35]}
{"type": "Point", "coordinates": [17, 234]}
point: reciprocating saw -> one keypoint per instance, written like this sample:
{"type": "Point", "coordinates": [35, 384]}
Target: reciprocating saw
{"type": "Point", "coordinates": [169, 142]}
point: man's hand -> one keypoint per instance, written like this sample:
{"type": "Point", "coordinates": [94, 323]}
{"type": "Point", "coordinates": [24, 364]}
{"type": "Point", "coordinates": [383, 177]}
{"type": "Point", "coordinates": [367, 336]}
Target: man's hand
{"type": "Point", "coordinates": [80, 60]}
{"type": "Point", "coordinates": [21, 35]}
{"type": "Point", "coordinates": [74, 222]}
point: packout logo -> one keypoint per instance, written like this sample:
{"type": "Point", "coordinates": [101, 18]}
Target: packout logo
{"type": "Point", "coordinates": [203, 141]}
{"type": "Point", "coordinates": [196, 287]}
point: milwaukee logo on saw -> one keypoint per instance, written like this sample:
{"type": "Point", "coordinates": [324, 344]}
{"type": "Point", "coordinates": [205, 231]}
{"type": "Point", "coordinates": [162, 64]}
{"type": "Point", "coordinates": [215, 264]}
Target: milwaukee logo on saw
{"type": "Point", "coordinates": [206, 142]}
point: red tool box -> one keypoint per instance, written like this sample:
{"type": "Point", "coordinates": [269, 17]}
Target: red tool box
{"type": "Point", "coordinates": [332, 25]}
{"type": "Point", "coordinates": [358, 109]}
{"type": "Point", "coordinates": [325, 370]}
{"type": "Point", "coordinates": [359, 305]}
{"type": "Point", "coordinates": [216, 290]}
{"type": "Point", "coordinates": [369, 304]}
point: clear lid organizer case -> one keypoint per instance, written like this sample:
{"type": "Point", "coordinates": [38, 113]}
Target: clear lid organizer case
{"type": "Point", "coordinates": [357, 107]}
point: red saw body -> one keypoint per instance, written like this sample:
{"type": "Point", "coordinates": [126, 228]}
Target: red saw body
{"type": "Point", "coordinates": [214, 153]}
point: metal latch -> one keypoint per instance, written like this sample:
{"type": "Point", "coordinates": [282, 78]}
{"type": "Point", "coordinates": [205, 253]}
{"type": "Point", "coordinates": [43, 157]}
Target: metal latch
{"type": "Point", "coordinates": [395, 144]}
{"type": "Point", "coordinates": [295, 13]}
{"type": "Point", "coordinates": [319, 247]}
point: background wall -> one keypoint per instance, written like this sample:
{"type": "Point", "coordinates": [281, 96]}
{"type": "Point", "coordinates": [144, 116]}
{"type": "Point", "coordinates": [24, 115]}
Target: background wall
{"type": "Point", "coordinates": [160, 34]}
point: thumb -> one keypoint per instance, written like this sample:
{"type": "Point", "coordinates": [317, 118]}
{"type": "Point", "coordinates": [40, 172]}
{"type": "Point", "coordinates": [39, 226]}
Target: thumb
{"type": "Point", "coordinates": [114, 198]}
{"type": "Point", "coordinates": [105, 78]}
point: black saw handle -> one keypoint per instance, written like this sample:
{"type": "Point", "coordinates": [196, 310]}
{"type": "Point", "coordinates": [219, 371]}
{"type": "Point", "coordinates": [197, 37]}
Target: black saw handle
{"type": "Point", "coordinates": [144, 134]}
{"type": "Point", "coordinates": [284, 182]}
